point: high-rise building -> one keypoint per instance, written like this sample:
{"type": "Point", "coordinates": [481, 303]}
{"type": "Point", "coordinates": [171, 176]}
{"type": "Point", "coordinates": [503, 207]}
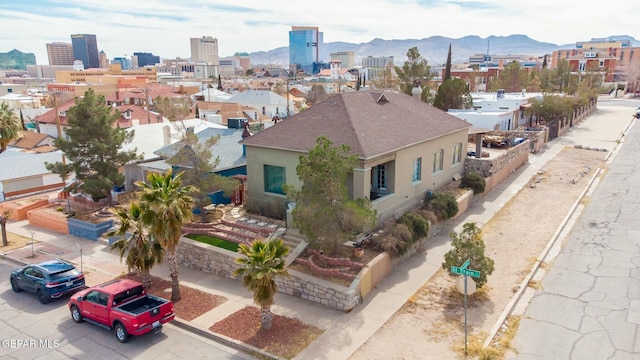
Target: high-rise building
{"type": "Point", "coordinates": [144, 59]}
{"type": "Point", "coordinates": [346, 58]}
{"type": "Point", "coordinates": [205, 49]}
{"type": "Point", "coordinates": [305, 43]}
{"type": "Point", "coordinates": [60, 53]}
{"type": "Point", "coordinates": [85, 49]}
{"type": "Point", "coordinates": [104, 60]}
{"type": "Point", "coordinates": [125, 63]}
{"type": "Point", "coordinates": [16, 60]}
{"type": "Point", "coordinates": [376, 66]}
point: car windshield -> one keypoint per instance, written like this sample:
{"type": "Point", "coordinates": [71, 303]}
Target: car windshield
{"type": "Point", "coordinates": [65, 274]}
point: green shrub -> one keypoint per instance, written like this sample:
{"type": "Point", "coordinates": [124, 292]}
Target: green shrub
{"type": "Point", "coordinates": [390, 244]}
{"type": "Point", "coordinates": [473, 181]}
{"type": "Point", "coordinates": [416, 223]}
{"type": "Point", "coordinates": [443, 205]}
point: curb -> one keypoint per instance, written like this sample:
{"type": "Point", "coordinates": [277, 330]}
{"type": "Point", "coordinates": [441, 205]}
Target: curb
{"type": "Point", "coordinates": [185, 325]}
{"type": "Point", "coordinates": [224, 340]}
{"type": "Point", "coordinates": [10, 259]}
{"type": "Point", "coordinates": [534, 269]}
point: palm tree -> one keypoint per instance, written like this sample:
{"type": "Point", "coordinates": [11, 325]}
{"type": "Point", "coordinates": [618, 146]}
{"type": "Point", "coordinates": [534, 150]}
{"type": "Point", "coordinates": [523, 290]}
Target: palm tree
{"type": "Point", "coordinates": [262, 262]}
{"type": "Point", "coordinates": [167, 206]}
{"type": "Point", "coordinates": [140, 251]}
{"type": "Point", "coordinates": [9, 126]}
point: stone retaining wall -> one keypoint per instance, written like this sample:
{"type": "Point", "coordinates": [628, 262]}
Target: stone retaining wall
{"type": "Point", "coordinates": [501, 166]}
{"type": "Point", "coordinates": [221, 262]}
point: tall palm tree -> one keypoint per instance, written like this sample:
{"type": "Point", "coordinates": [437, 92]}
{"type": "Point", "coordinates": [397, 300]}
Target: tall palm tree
{"type": "Point", "coordinates": [167, 206]}
{"type": "Point", "coordinates": [140, 251]}
{"type": "Point", "coordinates": [262, 262]}
{"type": "Point", "coordinates": [9, 126]}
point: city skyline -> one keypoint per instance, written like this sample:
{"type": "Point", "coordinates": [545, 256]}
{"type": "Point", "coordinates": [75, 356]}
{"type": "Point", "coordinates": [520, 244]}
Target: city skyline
{"type": "Point", "coordinates": [164, 28]}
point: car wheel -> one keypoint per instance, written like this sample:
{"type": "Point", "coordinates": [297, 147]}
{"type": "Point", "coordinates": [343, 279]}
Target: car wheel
{"type": "Point", "coordinates": [14, 285]}
{"type": "Point", "coordinates": [42, 297]}
{"type": "Point", "coordinates": [121, 333]}
{"type": "Point", "coordinates": [75, 314]}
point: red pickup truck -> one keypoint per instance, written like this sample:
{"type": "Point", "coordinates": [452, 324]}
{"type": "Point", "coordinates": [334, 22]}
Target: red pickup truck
{"type": "Point", "coordinates": [123, 305]}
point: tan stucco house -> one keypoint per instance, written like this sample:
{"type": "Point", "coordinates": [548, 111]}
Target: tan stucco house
{"type": "Point", "coordinates": [405, 146]}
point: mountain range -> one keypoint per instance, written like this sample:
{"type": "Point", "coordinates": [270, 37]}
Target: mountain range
{"type": "Point", "coordinates": [434, 49]}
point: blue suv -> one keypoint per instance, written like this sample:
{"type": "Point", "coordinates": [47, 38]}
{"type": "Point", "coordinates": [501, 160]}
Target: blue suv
{"type": "Point", "coordinates": [48, 280]}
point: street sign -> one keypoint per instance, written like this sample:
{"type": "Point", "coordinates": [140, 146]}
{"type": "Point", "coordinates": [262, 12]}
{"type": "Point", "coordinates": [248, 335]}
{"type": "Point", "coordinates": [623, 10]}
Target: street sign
{"type": "Point", "coordinates": [466, 264]}
{"type": "Point", "coordinates": [467, 272]}
{"type": "Point", "coordinates": [462, 270]}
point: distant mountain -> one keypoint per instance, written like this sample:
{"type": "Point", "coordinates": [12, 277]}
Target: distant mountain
{"type": "Point", "coordinates": [434, 48]}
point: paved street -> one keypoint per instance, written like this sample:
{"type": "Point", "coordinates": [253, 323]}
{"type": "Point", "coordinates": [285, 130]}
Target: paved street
{"type": "Point", "coordinates": [30, 330]}
{"type": "Point", "coordinates": [588, 306]}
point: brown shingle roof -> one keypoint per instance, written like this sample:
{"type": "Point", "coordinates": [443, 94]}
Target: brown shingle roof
{"type": "Point", "coordinates": [29, 140]}
{"type": "Point", "coordinates": [372, 123]}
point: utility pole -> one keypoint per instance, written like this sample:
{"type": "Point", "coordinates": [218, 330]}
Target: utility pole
{"type": "Point", "coordinates": [59, 126]}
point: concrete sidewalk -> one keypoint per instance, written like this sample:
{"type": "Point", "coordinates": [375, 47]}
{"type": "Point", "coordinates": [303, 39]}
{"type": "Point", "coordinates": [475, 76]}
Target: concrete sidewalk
{"type": "Point", "coordinates": [344, 332]}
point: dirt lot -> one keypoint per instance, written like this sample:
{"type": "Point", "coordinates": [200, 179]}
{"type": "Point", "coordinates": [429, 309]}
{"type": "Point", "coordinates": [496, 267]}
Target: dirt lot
{"type": "Point", "coordinates": [431, 324]}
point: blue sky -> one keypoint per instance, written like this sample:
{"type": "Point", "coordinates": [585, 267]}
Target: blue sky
{"type": "Point", "coordinates": [164, 27]}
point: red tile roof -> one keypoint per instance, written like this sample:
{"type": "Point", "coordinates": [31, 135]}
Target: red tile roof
{"type": "Point", "coordinates": [372, 123]}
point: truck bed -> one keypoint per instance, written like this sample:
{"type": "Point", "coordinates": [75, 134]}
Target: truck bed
{"type": "Point", "coordinates": [142, 304]}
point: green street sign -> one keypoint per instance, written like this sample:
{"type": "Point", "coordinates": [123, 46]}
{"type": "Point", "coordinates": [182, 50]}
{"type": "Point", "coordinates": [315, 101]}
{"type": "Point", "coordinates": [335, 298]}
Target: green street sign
{"type": "Point", "coordinates": [467, 272]}
{"type": "Point", "coordinates": [466, 264]}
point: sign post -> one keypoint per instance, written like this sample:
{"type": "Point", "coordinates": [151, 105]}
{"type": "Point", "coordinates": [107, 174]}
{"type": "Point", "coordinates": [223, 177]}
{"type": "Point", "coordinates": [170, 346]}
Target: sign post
{"type": "Point", "coordinates": [462, 270]}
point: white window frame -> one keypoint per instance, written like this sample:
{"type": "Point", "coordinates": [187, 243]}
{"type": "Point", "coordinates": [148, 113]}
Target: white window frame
{"type": "Point", "coordinates": [417, 170]}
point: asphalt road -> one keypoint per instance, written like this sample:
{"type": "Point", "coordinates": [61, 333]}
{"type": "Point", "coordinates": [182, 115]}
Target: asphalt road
{"type": "Point", "coordinates": [588, 306]}
{"type": "Point", "coordinates": [30, 330]}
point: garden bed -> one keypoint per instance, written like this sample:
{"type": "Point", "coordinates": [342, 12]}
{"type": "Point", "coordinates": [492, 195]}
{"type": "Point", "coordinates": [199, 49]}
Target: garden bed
{"type": "Point", "coordinates": [211, 240]}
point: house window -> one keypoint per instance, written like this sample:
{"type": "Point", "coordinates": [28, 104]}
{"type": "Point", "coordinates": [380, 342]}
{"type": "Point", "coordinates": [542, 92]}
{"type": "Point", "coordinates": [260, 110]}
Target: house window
{"type": "Point", "coordinates": [438, 165]}
{"type": "Point", "coordinates": [417, 170]}
{"type": "Point", "coordinates": [457, 154]}
{"type": "Point", "coordinates": [274, 179]}
{"type": "Point", "coordinates": [380, 177]}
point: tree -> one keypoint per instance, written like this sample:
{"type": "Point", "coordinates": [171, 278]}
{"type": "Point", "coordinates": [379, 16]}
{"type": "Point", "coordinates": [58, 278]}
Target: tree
{"type": "Point", "coordinates": [195, 160]}
{"type": "Point", "coordinates": [173, 108]}
{"type": "Point", "coordinates": [415, 69]}
{"type": "Point", "coordinates": [632, 75]}
{"type": "Point", "coordinates": [167, 206]}
{"type": "Point", "coordinates": [590, 84]}
{"type": "Point", "coordinates": [4, 216]}
{"type": "Point", "coordinates": [324, 213]}
{"type": "Point", "coordinates": [447, 70]}
{"type": "Point", "coordinates": [387, 80]}
{"type": "Point", "coordinates": [560, 76]}
{"type": "Point", "coordinates": [260, 265]}
{"type": "Point", "coordinates": [544, 62]}
{"type": "Point", "coordinates": [9, 126]}
{"type": "Point", "coordinates": [469, 245]}
{"type": "Point", "coordinates": [140, 251]}
{"type": "Point", "coordinates": [94, 148]}
{"type": "Point", "coordinates": [512, 78]}
{"type": "Point", "coordinates": [219, 83]}
{"type": "Point", "coordinates": [551, 107]}
{"type": "Point", "coordinates": [316, 94]}
{"type": "Point", "coordinates": [453, 94]}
